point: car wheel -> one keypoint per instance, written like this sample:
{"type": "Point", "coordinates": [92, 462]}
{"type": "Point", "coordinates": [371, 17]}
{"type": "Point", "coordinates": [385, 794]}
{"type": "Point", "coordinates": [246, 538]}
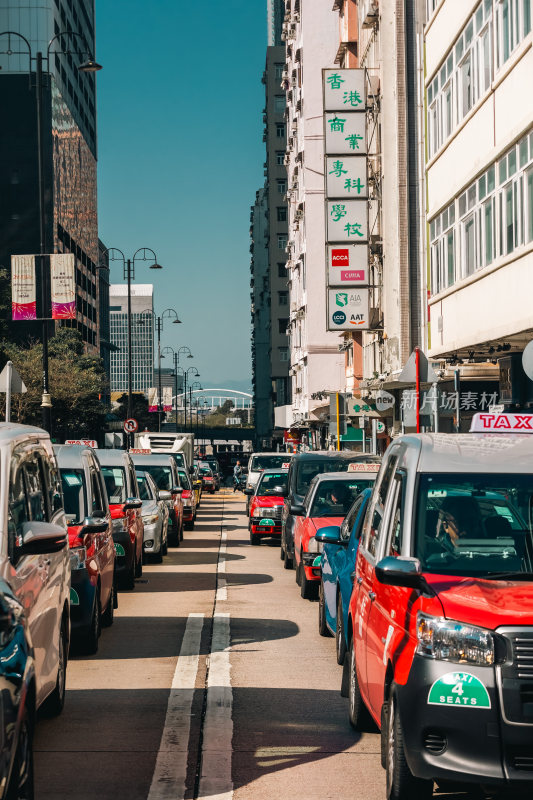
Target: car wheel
{"type": "Point", "coordinates": [357, 711]}
{"type": "Point", "coordinates": [282, 552]}
{"type": "Point", "coordinates": [181, 531]}
{"type": "Point", "coordinates": [340, 639]}
{"type": "Point", "coordinates": [128, 581]}
{"type": "Point", "coordinates": [54, 702]}
{"type": "Point", "coordinates": [21, 783]}
{"type": "Point", "coordinates": [401, 784]}
{"type": "Point", "coordinates": [255, 539]}
{"type": "Point", "coordinates": [108, 616]}
{"type": "Point", "coordinates": [89, 642]}
{"type": "Point", "coordinates": [139, 567]}
{"type": "Point", "coordinates": [322, 627]}
{"type": "Point", "coordinates": [189, 526]}
{"type": "Point", "coordinates": [308, 589]}
{"type": "Point", "coordinates": [287, 560]}
{"type": "Point", "coordinates": [158, 557]}
{"type": "Point", "coordinates": [298, 574]}
{"type": "Point", "coordinates": [164, 547]}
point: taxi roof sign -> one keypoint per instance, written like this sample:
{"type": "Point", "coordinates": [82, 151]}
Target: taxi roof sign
{"type": "Point", "coordinates": [140, 451]}
{"type": "Point", "coordinates": [501, 423]}
{"type": "Point", "coordinates": [363, 467]}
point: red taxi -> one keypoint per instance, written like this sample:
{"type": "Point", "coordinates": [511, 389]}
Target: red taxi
{"type": "Point", "coordinates": [125, 507]}
{"type": "Point", "coordinates": [266, 504]}
{"type": "Point", "coordinates": [328, 500]}
{"type": "Point", "coordinates": [440, 623]}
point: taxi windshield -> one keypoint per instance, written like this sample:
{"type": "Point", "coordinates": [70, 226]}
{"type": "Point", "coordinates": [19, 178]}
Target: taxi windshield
{"type": "Point", "coordinates": [162, 476]}
{"type": "Point", "coordinates": [334, 498]}
{"type": "Point", "coordinates": [268, 462]}
{"type": "Point", "coordinates": [115, 484]}
{"type": "Point", "coordinates": [184, 479]}
{"type": "Point", "coordinates": [73, 484]}
{"type": "Point", "coordinates": [307, 470]}
{"type": "Point", "coordinates": [272, 483]}
{"type": "Point", "coordinates": [475, 525]}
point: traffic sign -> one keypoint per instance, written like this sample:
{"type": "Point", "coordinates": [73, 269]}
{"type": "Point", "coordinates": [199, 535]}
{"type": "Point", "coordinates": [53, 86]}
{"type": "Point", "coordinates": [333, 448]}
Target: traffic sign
{"type": "Point", "coordinates": [131, 426]}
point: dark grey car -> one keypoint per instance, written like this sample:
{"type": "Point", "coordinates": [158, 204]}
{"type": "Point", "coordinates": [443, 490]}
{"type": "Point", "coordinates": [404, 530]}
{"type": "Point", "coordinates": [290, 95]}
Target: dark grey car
{"type": "Point", "coordinates": [303, 468]}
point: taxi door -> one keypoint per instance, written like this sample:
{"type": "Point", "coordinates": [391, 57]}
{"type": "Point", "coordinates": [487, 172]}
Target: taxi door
{"type": "Point", "coordinates": [388, 602]}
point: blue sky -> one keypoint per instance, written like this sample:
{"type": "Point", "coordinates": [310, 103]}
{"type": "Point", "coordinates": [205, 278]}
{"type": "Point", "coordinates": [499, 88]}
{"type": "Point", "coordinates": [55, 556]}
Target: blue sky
{"type": "Point", "coordinates": [180, 156]}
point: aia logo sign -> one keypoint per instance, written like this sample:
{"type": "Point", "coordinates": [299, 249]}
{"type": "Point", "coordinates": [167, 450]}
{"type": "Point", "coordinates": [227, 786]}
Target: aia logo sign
{"type": "Point", "coordinates": [340, 257]}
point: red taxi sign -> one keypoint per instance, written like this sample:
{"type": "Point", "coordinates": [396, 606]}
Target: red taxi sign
{"type": "Point", "coordinates": [86, 442]}
{"type": "Point", "coordinates": [363, 467]}
{"type": "Point", "coordinates": [140, 451]}
{"type": "Point", "coordinates": [502, 423]}
{"type": "Point", "coordinates": [286, 465]}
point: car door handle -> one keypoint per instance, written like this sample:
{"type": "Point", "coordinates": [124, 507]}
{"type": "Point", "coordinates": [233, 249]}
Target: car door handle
{"type": "Point", "coordinates": [358, 579]}
{"type": "Point", "coordinates": [372, 596]}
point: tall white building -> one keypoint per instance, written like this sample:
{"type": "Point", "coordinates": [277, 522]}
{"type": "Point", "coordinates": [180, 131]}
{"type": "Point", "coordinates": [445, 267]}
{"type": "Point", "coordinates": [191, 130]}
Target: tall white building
{"type": "Point", "coordinates": [317, 366]}
{"type": "Point", "coordinates": [142, 328]}
{"type": "Point", "coordinates": [479, 63]}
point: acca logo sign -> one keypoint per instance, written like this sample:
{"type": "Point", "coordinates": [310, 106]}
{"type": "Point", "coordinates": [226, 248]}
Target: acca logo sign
{"type": "Point", "coordinates": [347, 265]}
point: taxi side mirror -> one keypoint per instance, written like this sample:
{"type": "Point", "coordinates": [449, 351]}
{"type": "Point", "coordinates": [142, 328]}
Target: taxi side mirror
{"type": "Point", "coordinates": [297, 511]}
{"type": "Point", "coordinates": [249, 492]}
{"type": "Point", "coordinates": [393, 571]}
{"type": "Point", "coordinates": [331, 534]}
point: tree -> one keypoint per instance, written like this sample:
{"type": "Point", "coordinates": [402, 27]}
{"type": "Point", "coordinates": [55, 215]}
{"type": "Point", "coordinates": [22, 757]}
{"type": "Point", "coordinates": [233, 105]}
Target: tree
{"type": "Point", "coordinates": [77, 382]}
{"type": "Point", "coordinates": [146, 419]}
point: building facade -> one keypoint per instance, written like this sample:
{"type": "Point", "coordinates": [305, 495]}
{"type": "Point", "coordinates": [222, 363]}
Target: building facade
{"type": "Point", "coordinates": [142, 326]}
{"type": "Point", "coordinates": [260, 318]}
{"type": "Point", "coordinates": [317, 367]}
{"type": "Point", "coordinates": [69, 144]}
{"type": "Point", "coordinates": [479, 172]}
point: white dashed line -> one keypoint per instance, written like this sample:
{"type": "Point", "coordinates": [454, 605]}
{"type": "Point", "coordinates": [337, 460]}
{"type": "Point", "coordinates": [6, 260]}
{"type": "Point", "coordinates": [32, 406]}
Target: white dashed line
{"type": "Point", "coordinates": [168, 781]}
{"type": "Point", "coordinates": [215, 776]}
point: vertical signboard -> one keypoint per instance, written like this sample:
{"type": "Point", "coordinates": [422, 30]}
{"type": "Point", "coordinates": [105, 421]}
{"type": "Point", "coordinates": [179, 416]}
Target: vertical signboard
{"type": "Point", "coordinates": [346, 199]}
{"type": "Point", "coordinates": [153, 399]}
{"type": "Point", "coordinates": [23, 288]}
{"type": "Point", "coordinates": [63, 283]}
{"type": "Point", "coordinates": [167, 398]}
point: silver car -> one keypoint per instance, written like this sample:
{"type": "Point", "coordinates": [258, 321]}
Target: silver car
{"type": "Point", "coordinates": [155, 517]}
{"type": "Point", "coordinates": [34, 552]}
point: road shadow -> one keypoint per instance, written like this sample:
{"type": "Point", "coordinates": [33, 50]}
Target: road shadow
{"type": "Point", "coordinates": [180, 556]}
{"type": "Point", "coordinates": [160, 637]}
{"type": "Point", "coordinates": [177, 581]}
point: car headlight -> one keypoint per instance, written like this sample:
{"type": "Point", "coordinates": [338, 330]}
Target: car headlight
{"type": "Point", "coordinates": [449, 640]}
{"type": "Point", "coordinates": [78, 556]}
{"type": "Point", "coordinates": [260, 512]}
{"type": "Point", "coordinates": [150, 519]}
{"type": "Point", "coordinates": [314, 546]}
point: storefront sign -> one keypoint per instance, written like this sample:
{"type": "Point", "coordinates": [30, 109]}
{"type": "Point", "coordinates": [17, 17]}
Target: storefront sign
{"type": "Point", "coordinates": [345, 133]}
{"type": "Point", "coordinates": [344, 89]}
{"type": "Point", "coordinates": [348, 310]}
{"type": "Point", "coordinates": [23, 288]}
{"type": "Point", "coordinates": [347, 264]}
{"type": "Point", "coordinates": [347, 221]}
{"type": "Point", "coordinates": [346, 176]}
{"type": "Point", "coordinates": [63, 286]}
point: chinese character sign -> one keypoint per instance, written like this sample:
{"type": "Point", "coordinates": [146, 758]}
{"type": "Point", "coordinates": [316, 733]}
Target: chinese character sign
{"type": "Point", "coordinates": [347, 265]}
{"type": "Point", "coordinates": [345, 133]}
{"type": "Point", "coordinates": [346, 176]}
{"type": "Point", "coordinates": [63, 284]}
{"type": "Point", "coordinates": [347, 221]}
{"type": "Point", "coordinates": [23, 288]}
{"type": "Point", "coordinates": [348, 309]}
{"type": "Point", "coordinates": [344, 89]}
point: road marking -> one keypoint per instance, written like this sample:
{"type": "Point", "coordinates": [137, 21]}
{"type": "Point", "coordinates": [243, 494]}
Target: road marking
{"type": "Point", "coordinates": [215, 773]}
{"type": "Point", "coordinates": [222, 592]}
{"type": "Point", "coordinates": [170, 773]}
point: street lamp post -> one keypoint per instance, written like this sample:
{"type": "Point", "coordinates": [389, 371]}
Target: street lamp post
{"type": "Point", "coordinates": [173, 314]}
{"type": "Point", "coordinates": [89, 65]}
{"type": "Point", "coordinates": [176, 356]}
{"type": "Point", "coordinates": [128, 273]}
{"type": "Point", "coordinates": [185, 378]}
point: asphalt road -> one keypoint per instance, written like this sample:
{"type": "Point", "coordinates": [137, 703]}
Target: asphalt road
{"type": "Point", "coordinates": [212, 683]}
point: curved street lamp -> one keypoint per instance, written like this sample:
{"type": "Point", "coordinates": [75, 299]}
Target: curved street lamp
{"type": "Point", "coordinates": [176, 357]}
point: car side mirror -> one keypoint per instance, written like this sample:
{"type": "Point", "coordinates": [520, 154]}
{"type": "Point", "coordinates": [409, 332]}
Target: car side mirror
{"type": "Point", "coordinates": [131, 504]}
{"type": "Point", "coordinates": [93, 525]}
{"type": "Point", "coordinates": [249, 492]}
{"type": "Point", "coordinates": [176, 490]}
{"type": "Point", "coordinates": [281, 491]}
{"type": "Point", "coordinates": [42, 537]}
{"type": "Point", "coordinates": [397, 571]}
{"type": "Point", "coordinates": [297, 511]}
{"type": "Point", "coordinates": [164, 494]}
{"type": "Point", "coordinates": [331, 534]}
{"type": "Point", "coordinates": [99, 512]}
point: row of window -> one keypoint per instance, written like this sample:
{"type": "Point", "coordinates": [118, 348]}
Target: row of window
{"type": "Point", "coordinates": [484, 45]}
{"type": "Point", "coordinates": [490, 219]}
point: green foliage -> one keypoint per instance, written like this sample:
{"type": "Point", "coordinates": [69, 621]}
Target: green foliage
{"type": "Point", "coordinates": [146, 419]}
{"type": "Point", "coordinates": [77, 381]}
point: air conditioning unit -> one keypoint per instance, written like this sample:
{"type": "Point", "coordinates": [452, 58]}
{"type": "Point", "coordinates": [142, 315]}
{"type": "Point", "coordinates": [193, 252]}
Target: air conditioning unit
{"type": "Point", "coordinates": [369, 13]}
{"type": "Point", "coordinates": [294, 125]}
{"type": "Point", "coordinates": [298, 390]}
{"type": "Point", "coordinates": [285, 75]}
{"type": "Point", "coordinates": [291, 31]}
{"type": "Point", "coordinates": [298, 215]}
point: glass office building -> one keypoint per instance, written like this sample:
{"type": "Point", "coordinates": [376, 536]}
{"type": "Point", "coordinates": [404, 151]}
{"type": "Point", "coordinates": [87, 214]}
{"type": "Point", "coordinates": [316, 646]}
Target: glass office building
{"type": "Point", "coordinates": [69, 143]}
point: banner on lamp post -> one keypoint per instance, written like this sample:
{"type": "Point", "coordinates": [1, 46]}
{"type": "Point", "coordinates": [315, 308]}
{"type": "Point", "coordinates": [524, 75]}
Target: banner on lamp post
{"type": "Point", "coordinates": [63, 284]}
{"type": "Point", "coordinates": [153, 399]}
{"type": "Point", "coordinates": [167, 398]}
{"type": "Point", "coordinates": [23, 288]}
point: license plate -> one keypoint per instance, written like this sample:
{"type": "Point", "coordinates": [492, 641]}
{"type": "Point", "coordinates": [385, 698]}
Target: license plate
{"type": "Point", "coordinates": [267, 522]}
